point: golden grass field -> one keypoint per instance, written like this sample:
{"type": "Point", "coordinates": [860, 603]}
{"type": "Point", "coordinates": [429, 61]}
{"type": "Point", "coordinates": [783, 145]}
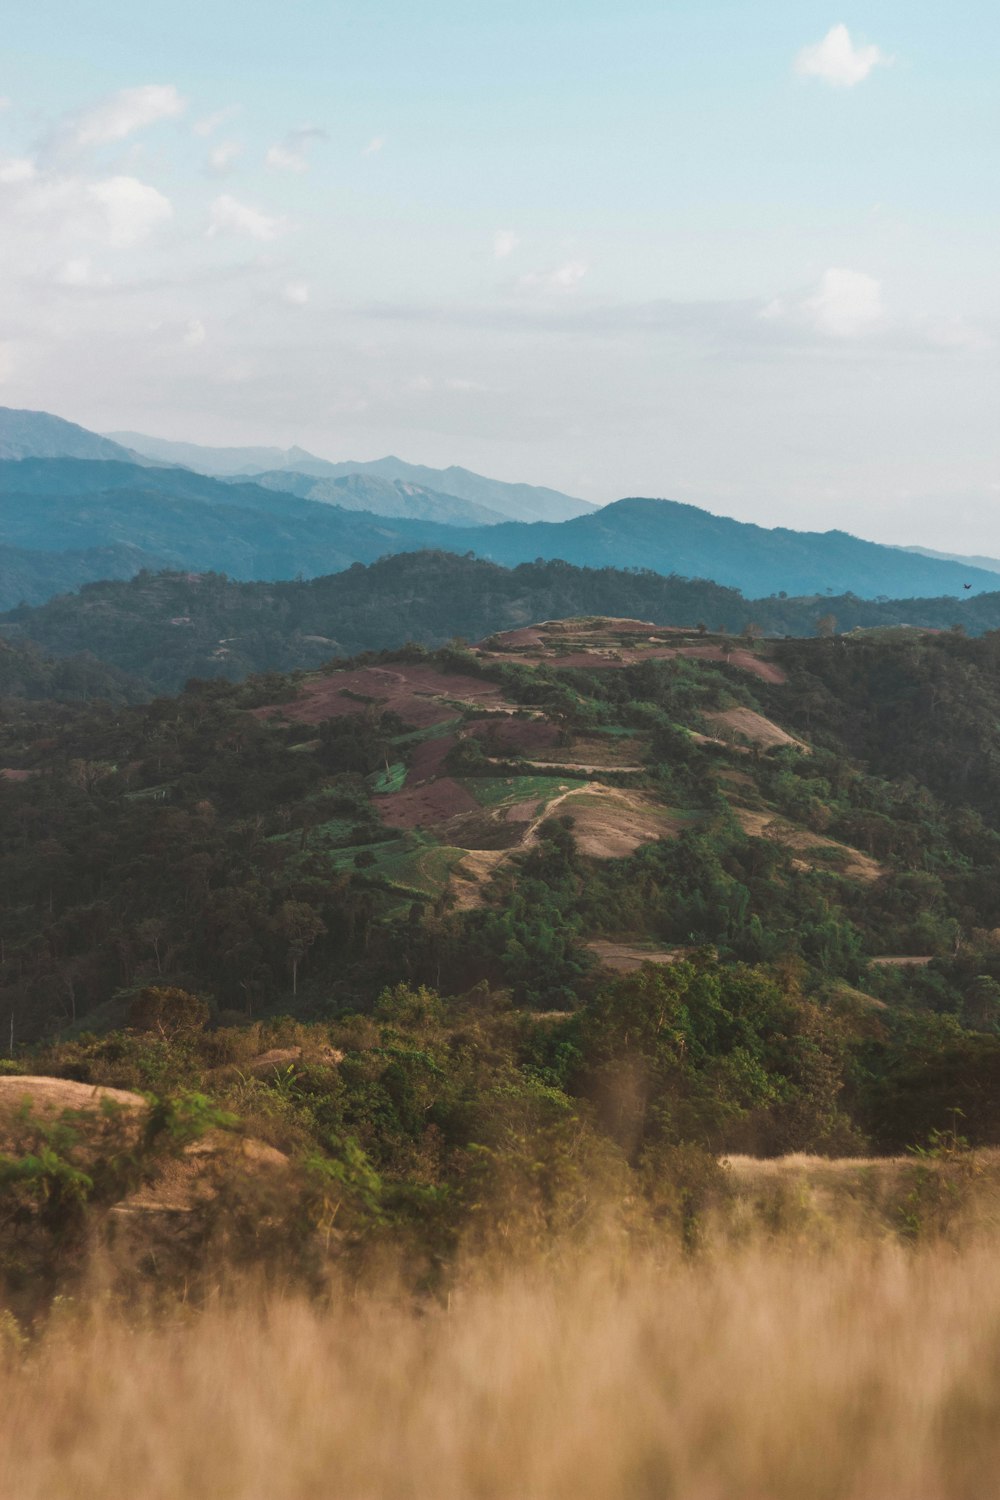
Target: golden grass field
{"type": "Point", "coordinates": [802, 1353]}
{"type": "Point", "coordinates": [873, 1374]}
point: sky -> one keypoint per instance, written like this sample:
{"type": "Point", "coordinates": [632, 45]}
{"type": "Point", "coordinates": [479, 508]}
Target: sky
{"type": "Point", "coordinates": [740, 255]}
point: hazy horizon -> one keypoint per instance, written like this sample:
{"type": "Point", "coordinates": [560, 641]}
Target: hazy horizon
{"type": "Point", "coordinates": [738, 258]}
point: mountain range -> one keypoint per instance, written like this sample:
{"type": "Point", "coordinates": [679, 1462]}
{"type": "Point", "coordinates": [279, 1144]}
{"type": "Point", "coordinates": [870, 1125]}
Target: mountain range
{"type": "Point", "coordinates": [515, 502]}
{"type": "Point", "coordinates": [70, 519]}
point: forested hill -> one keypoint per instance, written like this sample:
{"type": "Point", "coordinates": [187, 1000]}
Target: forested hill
{"type": "Point", "coordinates": [166, 628]}
{"type": "Point", "coordinates": [803, 837]}
{"type": "Point", "coordinates": [674, 538]}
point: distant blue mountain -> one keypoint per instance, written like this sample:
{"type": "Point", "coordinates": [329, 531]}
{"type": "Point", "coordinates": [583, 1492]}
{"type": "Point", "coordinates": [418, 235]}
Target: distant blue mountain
{"type": "Point", "coordinates": [109, 510]}
{"type": "Point", "coordinates": [516, 502]}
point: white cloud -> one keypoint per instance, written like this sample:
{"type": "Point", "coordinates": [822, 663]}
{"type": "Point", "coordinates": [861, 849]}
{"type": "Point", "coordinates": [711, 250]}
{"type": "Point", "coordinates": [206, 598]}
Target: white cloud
{"type": "Point", "coordinates": [296, 292]}
{"type": "Point", "coordinates": [131, 209]}
{"type": "Point", "coordinates": [79, 272]}
{"type": "Point", "coordinates": [845, 305]}
{"type": "Point", "coordinates": [838, 61]}
{"type": "Point", "coordinates": [17, 169]}
{"type": "Point", "coordinates": [289, 155]}
{"type": "Point", "coordinates": [229, 216]}
{"type": "Point", "coordinates": [374, 146]}
{"type": "Point", "coordinates": [194, 333]}
{"type": "Point", "coordinates": [222, 157]}
{"type": "Point", "coordinates": [207, 126]}
{"type": "Point", "coordinates": [117, 117]}
{"type": "Point", "coordinates": [564, 278]}
{"type": "Point", "coordinates": [505, 242]}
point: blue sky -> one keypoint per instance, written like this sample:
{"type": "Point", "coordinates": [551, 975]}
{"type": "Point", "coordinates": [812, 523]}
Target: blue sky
{"type": "Point", "coordinates": [743, 255]}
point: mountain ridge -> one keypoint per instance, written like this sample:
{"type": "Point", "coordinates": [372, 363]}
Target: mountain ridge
{"type": "Point", "coordinates": [517, 501]}
{"type": "Point", "coordinates": [177, 518]}
{"type": "Point", "coordinates": [39, 434]}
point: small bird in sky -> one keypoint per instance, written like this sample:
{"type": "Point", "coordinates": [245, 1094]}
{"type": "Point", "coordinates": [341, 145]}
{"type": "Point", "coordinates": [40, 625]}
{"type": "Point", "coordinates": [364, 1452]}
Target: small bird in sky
{"type": "Point", "coordinates": [966, 585]}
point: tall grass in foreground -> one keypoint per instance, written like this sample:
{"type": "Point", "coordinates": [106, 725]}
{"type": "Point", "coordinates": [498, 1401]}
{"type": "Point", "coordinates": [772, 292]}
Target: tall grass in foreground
{"type": "Point", "coordinates": [761, 1373]}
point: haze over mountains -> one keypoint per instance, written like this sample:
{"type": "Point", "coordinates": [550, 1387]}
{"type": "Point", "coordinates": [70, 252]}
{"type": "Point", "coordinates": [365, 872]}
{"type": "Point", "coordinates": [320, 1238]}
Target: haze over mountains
{"type": "Point", "coordinates": [991, 564]}
{"type": "Point", "coordinates": [516, 502]}
{"type": "Point", "coordinates": [37, 434]}
{"type": "Point", "coordinates": [99, 510]}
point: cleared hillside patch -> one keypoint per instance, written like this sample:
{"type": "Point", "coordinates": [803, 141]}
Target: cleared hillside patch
{"type": "Point", "coordinates": [752, 726]}
{"type": "Point", "coordinates": [814, 850]}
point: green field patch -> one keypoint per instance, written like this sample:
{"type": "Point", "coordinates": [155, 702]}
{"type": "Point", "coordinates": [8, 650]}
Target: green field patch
{"type": "Point", "coordinates": [413, 865]}
{"type": "Point", "coordinates": [331, 834]}
{"type": "Point", "coordinates": [432, 732]}
{"type": "Point", "coordinates": [495, 791]}
{"type": "Point", "coordinates": [389, 780]}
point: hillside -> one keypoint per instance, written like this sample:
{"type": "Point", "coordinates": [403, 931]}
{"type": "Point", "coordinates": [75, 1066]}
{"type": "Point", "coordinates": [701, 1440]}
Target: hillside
{"type": "Point", "coordinates": [37, 434]}
{"type": "Point", "coordinates": [669, 537]}
{"type": "Point", "coordinates": [557, 805]}
{"type": "Point", "coordinates": [166, 628]}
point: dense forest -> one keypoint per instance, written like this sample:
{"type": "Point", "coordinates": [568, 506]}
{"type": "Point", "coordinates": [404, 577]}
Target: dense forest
{"type": "Point", "coordinates": [163, 628]}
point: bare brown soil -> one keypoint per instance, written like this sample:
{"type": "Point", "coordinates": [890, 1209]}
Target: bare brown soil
{"type": "Point", "coordinates": [755, 727]}
{"type": "Point", "coordinates": [422, 806]}
{"type": "Point", "coordinates": [474, 871]}
{"type": "Point", "coordinates": [624, 958]}
{"type": "Point", "coordinates": [518, 736]}
{"type": "Point", "coordinates": [428, 759]}
{"type": "Point", "coordinates": [415, 691]}
{"type": "Point", "coordinates": [611, 823]}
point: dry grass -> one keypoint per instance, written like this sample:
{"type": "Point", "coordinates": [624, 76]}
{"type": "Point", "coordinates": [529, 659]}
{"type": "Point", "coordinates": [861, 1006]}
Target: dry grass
{"type": "Point", "coordinates": [755, 728]}
{"type": "Point", "coordinates": [811, 847]}
{"type": "Point", "coordinates": [869, 1374]}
